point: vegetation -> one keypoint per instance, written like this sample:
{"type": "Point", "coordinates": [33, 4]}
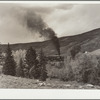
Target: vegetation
{"type": "Point", "coordinates": [30, 57]}
{"type": "Point", "coordinates": [76, 49]}
{"type": "Point", "coordinates": [42, 62]}
{"type": "Point", "coordinates": [19, 54]}
{"type": "Point", "coordinates": [35, 70]}
{"type": "Point", "coordinates": [1, 56]}
{"type": "Point", "coordinates": [20, 69]}
{"type": "Point", "coordinates": [83, 68]}
{"type": "Point", "coordinates": [86, 70]}
{"type": "Point", "coordinates": [9, 67]}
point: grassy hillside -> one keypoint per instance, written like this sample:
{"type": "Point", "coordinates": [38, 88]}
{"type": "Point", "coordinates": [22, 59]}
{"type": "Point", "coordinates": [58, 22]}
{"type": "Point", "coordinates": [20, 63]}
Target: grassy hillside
{"type": "Point", "coordinates": [23, 83]}
{"type": "Point", "coordinates": [89, 41]}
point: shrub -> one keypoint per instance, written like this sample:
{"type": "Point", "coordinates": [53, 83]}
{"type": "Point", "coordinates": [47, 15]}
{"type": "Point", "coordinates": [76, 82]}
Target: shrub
{"type": "Point", "coordinates": [67, 73]}
{"type": "Point", "coordinates": [83, 69]}
{"type": "Point", "coordinates": [52, 72]}
{"type": "Point", "coordinates": [64, 73]}
{"type": "Point", "coordinates": [76, 49]}
{"type": "Point", "coordinates": [86, 70]}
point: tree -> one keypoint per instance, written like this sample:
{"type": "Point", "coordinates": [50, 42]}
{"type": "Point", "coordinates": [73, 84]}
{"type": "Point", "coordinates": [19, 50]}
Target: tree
{"type": "Point", "coordinates": [30, 57]}
{"type": "Point", "coordinates": [20, 69]}
{"type": "Point", "coordinates": [1, 56]}
{"type": "Point", "coordinates": [75, 50]}
{"type": "Point", "coordinates": [42, 62]}
{"type": "Point", "coordinates": [35, 70]}
{"type": "Point", "coordinates": [9, 67]}
{"type": "Point", "coordinates": [87, 69]}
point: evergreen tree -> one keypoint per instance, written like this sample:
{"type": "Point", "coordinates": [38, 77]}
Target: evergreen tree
{"type": "Point", "coordinates": [35, 70]}
{"type": "Point", "coordinates": [43, 71]}
{"type": "Point", "coordinates": [30, 57]}
{"type": "Point", "coordinates": [20, 69]}
{"type": "Point", "coordinates": [9, 67]}
{"type": "Point", "coordinates": [1, 56]}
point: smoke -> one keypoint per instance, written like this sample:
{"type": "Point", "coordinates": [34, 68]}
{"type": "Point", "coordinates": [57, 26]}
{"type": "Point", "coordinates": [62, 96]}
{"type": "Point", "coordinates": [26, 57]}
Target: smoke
{"type": "Point", "coordinates": [50, 34]}
{"type": "Point", "coordinates": [35, 24]}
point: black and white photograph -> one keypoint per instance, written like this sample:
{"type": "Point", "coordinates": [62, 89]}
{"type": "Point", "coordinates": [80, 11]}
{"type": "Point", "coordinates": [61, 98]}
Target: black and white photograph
{"type": "Point", "coordinates": [49, 45]}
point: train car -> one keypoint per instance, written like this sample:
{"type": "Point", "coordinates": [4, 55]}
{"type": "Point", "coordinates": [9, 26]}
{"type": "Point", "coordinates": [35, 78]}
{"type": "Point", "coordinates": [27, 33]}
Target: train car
{"type": "Point", "coordinates": [56, 58]}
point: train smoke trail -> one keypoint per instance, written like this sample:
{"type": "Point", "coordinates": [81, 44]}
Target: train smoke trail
{"type": "Point", "coordinates": [35, 23]}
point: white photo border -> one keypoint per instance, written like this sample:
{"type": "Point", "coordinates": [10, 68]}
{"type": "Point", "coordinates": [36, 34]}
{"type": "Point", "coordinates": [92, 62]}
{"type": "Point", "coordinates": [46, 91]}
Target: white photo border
{"type": "Point", "coordinates": [50, 93]}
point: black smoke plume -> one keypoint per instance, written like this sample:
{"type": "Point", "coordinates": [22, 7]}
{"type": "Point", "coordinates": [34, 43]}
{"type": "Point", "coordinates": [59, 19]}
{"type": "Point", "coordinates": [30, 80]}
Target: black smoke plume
{"type": "Point", "coordinates": [35, 23]}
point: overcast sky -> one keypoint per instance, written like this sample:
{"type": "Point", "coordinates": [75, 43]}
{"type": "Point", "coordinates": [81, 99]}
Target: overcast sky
{"type": "Point", "coordinates": [64, 19]}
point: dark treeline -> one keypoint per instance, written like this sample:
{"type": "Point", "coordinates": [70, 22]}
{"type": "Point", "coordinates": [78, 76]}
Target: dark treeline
{"type": "Point", "coordinates": [31, 67]}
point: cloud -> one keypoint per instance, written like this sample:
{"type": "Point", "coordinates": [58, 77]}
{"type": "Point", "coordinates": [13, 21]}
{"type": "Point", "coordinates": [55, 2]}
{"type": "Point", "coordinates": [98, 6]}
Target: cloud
{"type": "Point", "coordinates": [79, 19]}
{"type": "Point", "coordinates": [65, 19]}
{"type": "Point", "coordinates": [64, 6]}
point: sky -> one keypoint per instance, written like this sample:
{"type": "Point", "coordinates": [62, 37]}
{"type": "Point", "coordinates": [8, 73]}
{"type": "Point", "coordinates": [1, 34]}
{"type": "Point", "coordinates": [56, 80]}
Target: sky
{"type": "Point", "coordinates": [65, 19]}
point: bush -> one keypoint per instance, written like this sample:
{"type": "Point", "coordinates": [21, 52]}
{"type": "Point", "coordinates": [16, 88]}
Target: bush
{"type": "Point", "coordinates": [83, 69]}
{"type": "Point", "coordinates": [76, 49]}
{"type": "Point", "coordinates": [52, 72]}
{"type": "Point", "coordinates": [64, 73]}
{"type": "Point", "coordinates": [67, 72]}
{"type": "Point", "coordinates": [86, 70]}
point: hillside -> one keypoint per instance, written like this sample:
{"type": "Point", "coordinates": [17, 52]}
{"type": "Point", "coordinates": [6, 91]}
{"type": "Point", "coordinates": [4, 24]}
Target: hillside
{"type": "Point", "coordinates": [89, 41]}
{"type": "Point", "coordinates": [23, 83]}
